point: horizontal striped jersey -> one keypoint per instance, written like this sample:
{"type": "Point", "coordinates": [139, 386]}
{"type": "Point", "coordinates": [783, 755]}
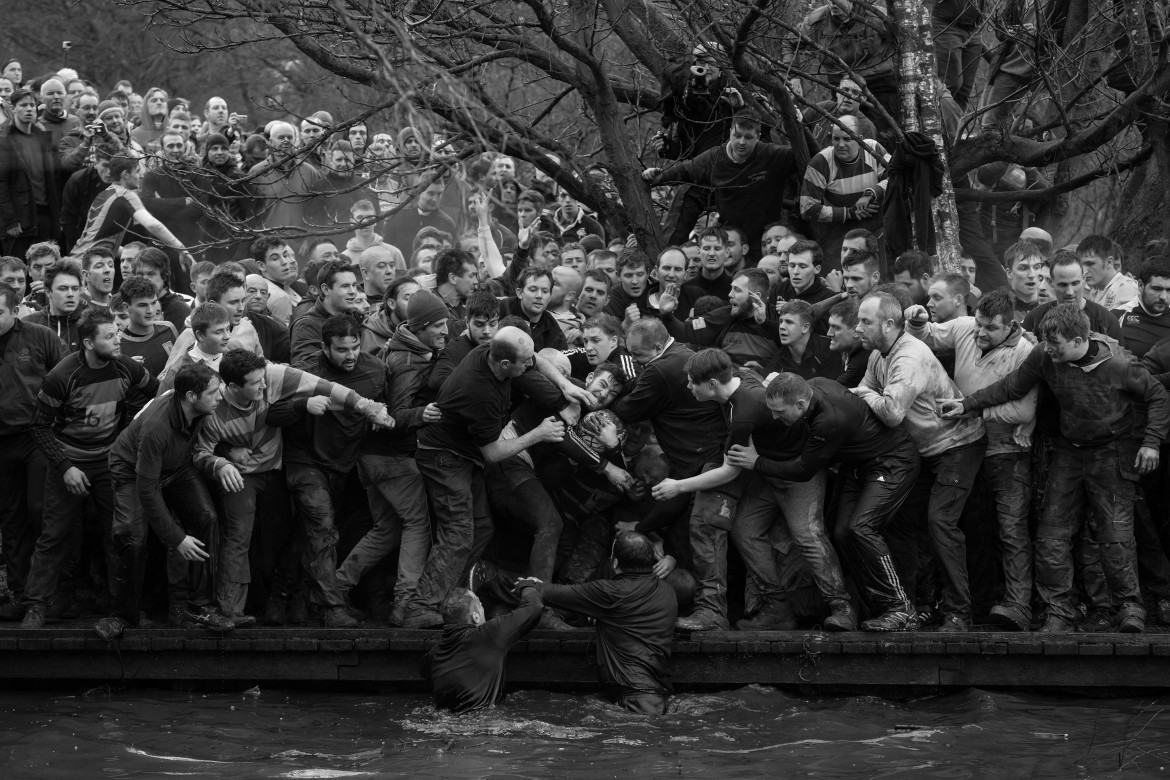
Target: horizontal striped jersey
{"type": "Point", "coordinates": [110, 215]}
{"type": "Point", "coordinates": [832, 187]}
{"type": "Point", "coordinates": [246, 427]}
{"type": "Point", "coordinates": [81, 410]}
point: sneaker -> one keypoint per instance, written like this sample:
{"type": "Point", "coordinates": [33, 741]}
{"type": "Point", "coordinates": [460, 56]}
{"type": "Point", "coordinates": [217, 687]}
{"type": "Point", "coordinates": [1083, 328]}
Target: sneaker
{"type": "Point", "coordinates": [208, 618]}
{"type": "Point", "coordinates": [551, 621]}
{"type": "Point", "coordinates": [1009, 617]}
{"type": "Point", "coordinates": [1098, 621]}
{"type": "Point", "coordinates": [12, 611]}
{"type": "Point", "coordinates": [1133, 619]}
{"type": "Point", "coordinates": [243, 621]}
{"type": "Point", "coordinates": [777, 615]}
{"type": "Point", "coordinates": [1162, 611]}
{"type": "Point", "coordinates": [1055, 624]}
{"type": "Point", "coordinates": [421, 617]}
{"type": "Point", "coordinates": [339, 617]}
{"type": "Point", "coordinates": [276, 611]}
{"type": "Point", "coordinates": [398, 613]}
{"type": "Point", "coordinates": [955, 623]}
{"type": "Point", "coordinates": [298, 610]}
{"type": "Point", "coordinates": [702, 620]}
{"type": "Point", "coordinates": [34, 618]}
{"type": "Point", "coordinates": [842, 619]}
{"type": "Point", "coordinates": [893, 620]}
{"type": "Point", "coordinates": [109, 628]}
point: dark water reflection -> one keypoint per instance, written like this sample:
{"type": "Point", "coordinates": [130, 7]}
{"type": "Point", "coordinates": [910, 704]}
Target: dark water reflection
{"type": "Point", "coordinates": [746, 733]}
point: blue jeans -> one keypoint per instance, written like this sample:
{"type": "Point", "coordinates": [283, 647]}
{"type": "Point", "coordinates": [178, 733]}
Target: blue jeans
{"type": "Point", "coordinates": [398, 502]}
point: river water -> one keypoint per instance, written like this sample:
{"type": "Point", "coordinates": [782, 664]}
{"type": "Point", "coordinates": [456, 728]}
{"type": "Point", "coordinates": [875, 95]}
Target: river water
{"type": "Point", "coordinates": [746, 733]}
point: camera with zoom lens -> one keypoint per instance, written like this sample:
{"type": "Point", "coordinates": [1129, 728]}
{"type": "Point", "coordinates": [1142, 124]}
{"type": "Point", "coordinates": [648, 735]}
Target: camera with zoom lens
{"type": "Point", "coordinates": [699, 76]}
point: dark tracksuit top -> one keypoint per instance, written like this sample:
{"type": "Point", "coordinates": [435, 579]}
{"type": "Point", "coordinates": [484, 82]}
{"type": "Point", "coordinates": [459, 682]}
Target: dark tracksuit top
{"type": "Point", "coordinates": [635, 614]}
{"type": "Point", "coordinates": [466, 666]}
{"type": "Point", "coordinates": [838, 426]}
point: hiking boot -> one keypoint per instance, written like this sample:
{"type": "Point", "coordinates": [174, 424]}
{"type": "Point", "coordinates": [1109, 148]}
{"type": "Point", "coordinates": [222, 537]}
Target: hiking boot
{"type": "Point", "coordinates": [177, 616]}
{"type": "Point", "coordinates": [842, 619]}
{"type": "Point", "coordinates": [276, 611]}
{"type": "Point", "coordinates": [1162, 611]}
{"type": "Point", "coordinates": [298, 610]}
{"type": "Point", "coordinates": [551, 621]}
{"type": "Point", "coordinates": [1098, 621]}
{"type": "Point", "coordinates": [339, 617]}
{"type": "Point", "coordinates": [702, 620]}
{"type": "Point", "coordinates": [482, 572]}
{"type": "Point", "coordinates": [777, 615]}
{"type": "Point", "coordinates": [421, 617]}
{"type": "Point", "coordinates": [892, 620]}
{"type": "Point", "coordinates": [208, 618]}
{"type": "Point", "coordinates": [1133, 619]}
{"type": "Point", "coordinates": [355, 613]}
{"type": "Point", "coordinates": [34, 618]}
{"type": "Point", "coordinates": [1054, 624]}
{"type": "Point", "coordinates": [955, 623]}
{"type": "Point", "coordinates": [398, 613]}
{"type": "Point", "coordinates": [13, 611]}
{"type": "Point", "coordinates": [243, 621]}
{"type": "Point", "coordinates": [1009, 617]}
{"type": "Point", "coordinates": [109, 628]}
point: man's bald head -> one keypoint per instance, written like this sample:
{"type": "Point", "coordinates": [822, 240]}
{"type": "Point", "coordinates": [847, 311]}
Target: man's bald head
{"type": "Point", "coordinates": [53, 96]}
{"type": "Point", "coordinates": [52, 86]}
{"type": "Point", "coordinates": [375, 254]}
{"type": "Point", "coordinates": [513, 346]}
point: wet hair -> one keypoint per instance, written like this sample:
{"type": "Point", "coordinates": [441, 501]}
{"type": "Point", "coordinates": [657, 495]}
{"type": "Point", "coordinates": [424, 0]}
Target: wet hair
{"type": "Point", "coordinates": [788, 388]}
{"type": "Point", "coordinates": [798, 308]}
{"type": "Point", "coordinates": [633, 259]}
{"type": "Point", "coordinates": [597, 275]}
{"type": "Point", "coordinates": [193, 378]}
{"type": "Point", "coordinates": [1021, 250]}
{"type": "Point", "coordinates": [482, 305]}
{"type": "Point", "coordinates": [634, 552]}
{"type": "Point", "coordinates": [997, 303]}
{"type": "Point", "coordinates": [811, 247]}
{"type": "Point", "coordinates": [606, 323]}
{"type": "Point", "coordinates": [91, 320]}
{"type": "Point", "coordinates": [889, 307]}
{"type": "Point", "coordinates": [207, 315]}
{"type": "Point", "coordinates": [154, 258]}
{"type": "Point", "coordinates": [220, 283]}
{"type": "Point", "coordinates": [915, 263]}
{"type": "Point", "coordinates": [98, 250]}
{"type": "Point", "coordinates": [1101, 246]}
{"type": "Point", "coordinates": [710, 364]}
{"type": "Point", "coordinates": [456, 608]}
{"type": "Point", "coordinates": [1067, 321]}
{"type": "Point", "coordinates": [452, 261]}
{"type": "Point", "coordinates": [758, 281]}
{"type": "Point", "coordinates": [897, 292]}
{"type": "Point", "coordinates": [1155, 265]}
{"type": "Point", "coordinates": [340, 326]}
{"type": "Point", "coordinates": [135, 288]}
{"type": "Point", "coordinates": [236, 364]}
{"type": "Point", "coordinates": [846, 311]}
{"type": "Point", "coordinates": [61, 267]}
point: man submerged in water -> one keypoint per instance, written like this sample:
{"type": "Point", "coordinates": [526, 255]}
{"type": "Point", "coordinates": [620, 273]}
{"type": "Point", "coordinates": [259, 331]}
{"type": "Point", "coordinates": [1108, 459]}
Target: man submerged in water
{"type": "Point", "coordinates": [466, 666]}
{"type": "Point", "coordinates": [635, 613]}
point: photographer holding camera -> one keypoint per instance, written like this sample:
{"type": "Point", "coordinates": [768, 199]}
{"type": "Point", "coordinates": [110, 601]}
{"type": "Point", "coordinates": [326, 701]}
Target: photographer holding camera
{"type": "Point", "coordinates": [697, 106]}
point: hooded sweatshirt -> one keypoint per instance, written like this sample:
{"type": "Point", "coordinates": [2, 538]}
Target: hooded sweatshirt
{"type": "Point", "coordinates": [64, 325]}
{"type": "Point", "coordinates": [410, 364]}
{"type": "Point", "coordinates": [377, 330]}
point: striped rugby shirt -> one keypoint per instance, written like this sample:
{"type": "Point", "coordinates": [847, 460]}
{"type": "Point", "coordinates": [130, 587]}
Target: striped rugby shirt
{"type": "Point", "coordinates": [832, 187]}
{"type": "Point", "coordinates": [246, 427]}
{"type": "Point", "coordinates": [81, 410]}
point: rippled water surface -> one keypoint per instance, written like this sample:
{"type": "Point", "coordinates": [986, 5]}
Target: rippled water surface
{"type": "Point", "coordinates": [746, 733]}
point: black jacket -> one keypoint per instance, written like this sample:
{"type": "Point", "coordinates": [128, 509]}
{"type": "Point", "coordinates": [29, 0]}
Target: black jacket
{"type": "Point", "coordinates": [17, 204]}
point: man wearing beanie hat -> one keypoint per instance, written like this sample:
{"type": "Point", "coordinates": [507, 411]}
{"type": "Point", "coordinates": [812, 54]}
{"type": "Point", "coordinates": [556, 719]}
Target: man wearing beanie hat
{"type": "Point", "coordinates": [77, 148]}
{"type": "Point", "coordinates": [338, 283]}
{"type": "Point", "coordinates": [394, 486]}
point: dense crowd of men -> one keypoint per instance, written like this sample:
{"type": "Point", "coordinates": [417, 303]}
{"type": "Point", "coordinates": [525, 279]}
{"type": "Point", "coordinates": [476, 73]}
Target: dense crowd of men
{"type": "Point", "coordinates": [464, 379]}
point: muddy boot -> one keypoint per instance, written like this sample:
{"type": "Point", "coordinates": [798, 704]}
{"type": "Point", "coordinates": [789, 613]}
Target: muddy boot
{"type": "Point", "coordinates": [777, 615]}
